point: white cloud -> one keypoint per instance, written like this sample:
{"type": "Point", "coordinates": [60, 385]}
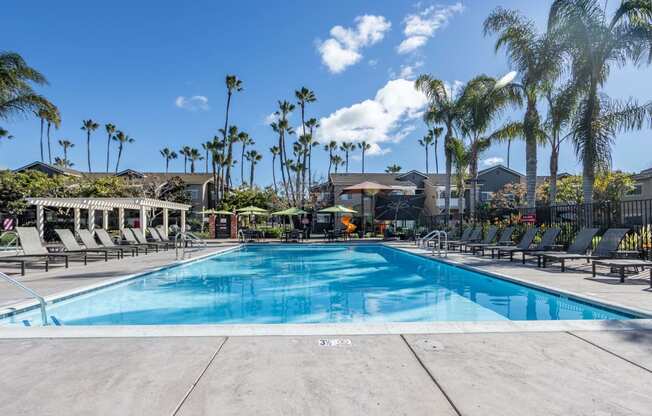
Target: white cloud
{"type": "Point", "coordinates": [342, 49]}
{"type": "Point", "coordinates": [384, 119]}
{"type": "Point", "coordinates": [407, 71]}
{"type": "Point", "coordinates": [194, 103]}
{"type": "Point", "coordinates": [493, 161]}
{"type": "Point", "coordinates": [373, 62]}
{"type": "Point", "coordinates": [421, 26]}
{"type": "Point", "coordinates": [271, 118]}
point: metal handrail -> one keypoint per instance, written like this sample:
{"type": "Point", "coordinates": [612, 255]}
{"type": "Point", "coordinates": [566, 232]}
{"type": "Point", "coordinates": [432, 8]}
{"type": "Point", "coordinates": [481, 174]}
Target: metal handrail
{"type": "Point", "coordinates": [426, 238]}
{"type": "Point", "coordinates": [180, 240]}
{"type": "Point", "coordinates": [439, 234]}
{"type": "Point", "coordinates": [41, 300]}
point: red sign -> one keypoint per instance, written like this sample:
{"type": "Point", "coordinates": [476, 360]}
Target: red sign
{"type": "Point", "coordinates": [529, 218]}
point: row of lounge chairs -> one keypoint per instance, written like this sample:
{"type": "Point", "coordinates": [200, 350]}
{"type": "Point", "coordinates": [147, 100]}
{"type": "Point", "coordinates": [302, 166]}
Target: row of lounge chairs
{"type": "Point", "coordinates": [546, 251]}
{"type": "Point", "coordinates": [33, 251]}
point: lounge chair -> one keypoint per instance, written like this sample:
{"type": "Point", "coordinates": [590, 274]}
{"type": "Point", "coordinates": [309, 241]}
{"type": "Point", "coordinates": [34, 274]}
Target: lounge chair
{"type": "Point", "coordinates": [525, 243]}
{"type": "Point", "coordinates": [140, 237]}
{"type": "Point", "coordinates": [464, 237]}
{"type": "Point", "coordinates": [488, 239]}
{"type": "Point", "coordinates": [504, 240]}
{"type": "Point", "coordinates": [71, 245]}
{"type": "Point", "coordinates": [107, 241]}
{"type": "Point", "coordinates": [605, 249]}
{"type": "Point", "coordinates": [34, 251]}
{"type": "Point", "coordinates": [547, 243]}
{"type": "Point", "coordinates": [621, 265]}
{"type": "Point", "coordinates": [581, 245]}
{"type": "Point", "coordinates": [130, 235]}
{"type": "Point", "coordinates": [89, 242]}
{"type": "Point", "coordinates": [473, 237]}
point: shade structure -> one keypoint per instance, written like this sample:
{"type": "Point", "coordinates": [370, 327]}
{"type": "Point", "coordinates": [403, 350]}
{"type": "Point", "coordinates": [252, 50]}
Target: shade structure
{"type": "Point", "coordinates": [251, 208]}
{"type": "Point", "coordinates": [366, 187]}
{"type": "Point", "coordinates": [290, 212]}
{"type": "Point", "coordinates": [216, 212]}
{"type": "Point", "coordinates": [338, 209]}
{"type": "Point", "coordinates": [255, 213]}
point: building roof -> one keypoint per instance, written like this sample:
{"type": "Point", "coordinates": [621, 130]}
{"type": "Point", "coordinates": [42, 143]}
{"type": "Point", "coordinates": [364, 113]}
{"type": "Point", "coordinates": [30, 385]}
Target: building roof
{"type": "Point", "coordinates": [53, 169]}
{"type": "Point", "coordinates": [644, 174]}
{"type": "Point", "coordinates": [349, 179]}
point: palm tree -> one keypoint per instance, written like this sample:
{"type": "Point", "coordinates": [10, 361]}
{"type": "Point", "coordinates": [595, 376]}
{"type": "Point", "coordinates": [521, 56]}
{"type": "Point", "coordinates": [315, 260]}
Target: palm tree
{"type": "Point", "coordinates": [65, 144]}
{"type": "Point", "coordinates": [232, 84]}
{"type": "Point", "coordinates": [282, 127]}
{"type": "Point", "coordinates": [245, 141]}
{"type": "Point", "coordinates": [304, 96]}
{"type": "Point", "coordinates": [253, 157]}
{"type": "Point", "coordinates": [444, 108]}
{"type": "Point", "coordinates": [122, 139]}
{"type": "Point", "coordinates": [168, 155]}
{"type": "Point", "coordinates": [593, 44]}
{"type": "Point", "coordinates": [53, 118]}
{"type": "Point", "coordinates": [312, 125]}
{"type": "Point", "coordinates": [461, 158]}
{"type": "Point", "coordinates": [347, 147]}
{"type": "Point", "coordinates": [330, 147]}
{"type": "Point", "coordinates": [185, 152]}
{"type": "Point", "coordinates": [305, 143]}
{"type": "Point", "coordinates": [63, 162]}
{"type": "Point", "coordinates": [337, 161]}
{"type": "Point", "coordinates": [42, 114]}
{"type": "Point", "coordinates": [275, 151]}
{"type": "Point", "coordinates": [436, 132]}
{"type": "Point", "coordinates": [4, 134]}
{"type": "Point", "coordinates": [110, 130]}
{"type": "Point", "coordinates": [16, 93]}
{"type": "Point", "coordinates": [537, 59]}
{"type": "Point", "coordinates": [426, 142]}
{"type": "Point", "coordinates": [207, 148]}
{"type": "Point", "coordinates": [393, 168]}
{"type": "Point", "coordinates": [217, 156]}
{"type": "Point", "coordinates": [194, 155]}
{"type": "Point", "coordinates": [364, 146]}
{"type": "Point", "coordinates": [232, 137]}
{"type": "Point", "coordinates": [89, 126]}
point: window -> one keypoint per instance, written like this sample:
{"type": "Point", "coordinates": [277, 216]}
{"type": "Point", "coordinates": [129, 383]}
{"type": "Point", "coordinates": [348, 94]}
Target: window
{"type": "Point", "coordinates": [194, 194]}
{"type": "Point", "coordinates": [638, 190]}
{"type": "Point", "coordinates": [346, 197]}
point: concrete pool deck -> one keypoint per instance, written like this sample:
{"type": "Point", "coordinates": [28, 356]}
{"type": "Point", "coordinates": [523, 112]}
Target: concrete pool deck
{"type": "Point", "coordinates": [485, 371]}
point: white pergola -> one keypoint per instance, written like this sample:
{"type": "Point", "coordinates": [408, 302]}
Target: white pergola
{"type": "Point", "coordinates": [106, 205]}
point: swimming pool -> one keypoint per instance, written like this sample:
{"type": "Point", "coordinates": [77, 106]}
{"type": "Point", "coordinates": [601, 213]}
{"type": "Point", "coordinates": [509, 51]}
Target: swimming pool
{"type": "Point", "coordinates": [274, 284]}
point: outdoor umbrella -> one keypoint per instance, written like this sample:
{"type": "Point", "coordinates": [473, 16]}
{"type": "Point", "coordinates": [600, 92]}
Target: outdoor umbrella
{"type": "Point", "coordinates": [251, 208]}
{"type": "Point", "coordinates": [213, 212]}
{"type": "Point", "coordinates": [369, 188]}
{"type": "Point", "coordinates": [337, 209]}
{"type": "Point", "coordinates": [290, 212]}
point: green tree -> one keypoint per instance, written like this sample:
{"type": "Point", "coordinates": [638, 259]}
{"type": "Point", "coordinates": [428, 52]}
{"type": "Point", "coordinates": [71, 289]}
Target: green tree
{"type": "Point", "coordinates": [330, 147]}
{"type": "Point", "coordinates": [312, 124]}
{"type": "Point", "coordinates": [461, 157]}
{"type": "Point", "coordinates": [364, 146]}
{"type": "Point", "coordinates": [185, 152]}
{"type": "Point", "coordinates": [4, 134]}
{"type": "Point", "coordinates": [233, 84]}
{"type": "Point", "coordinates": [168, 155]}
{"type": "Point", "coordinates": [245, 141]}
{"type": "Point", "coordinates": [347, 147]}
{"type": "Point", "coordinates": [613, 186]}
{"type": "Point", "coordinates": [510, 196]}
{"type": "Point", "coordinates": [52, 118]}
{"type": "Point", "coordinates": [282, 127]}
{"type": "Point", "coordinates": [89, 126]}
{"type": "Point", "coordinates": [65, 145]}
{"type": "Point", "coordinates": [15, 187]}
{"type": "Point", "coordinates": [337, 161]}
{"type": "Point", "coordinates": [594, 44]}
{"type": "Point", "coordinates": [122, 140]}
{"type": "Point", "coordinates": [110, 130]}
{"type": "Point", "coordinates": [275, 151]}
{"type": "Point", "coordinates": [194, 155]}
{"type": "Point", "coordinates": [393, 169]}
{"type": "Point", "coordinates": [253, 157]}
{"type": "Point", "coordinates": [207, 149]}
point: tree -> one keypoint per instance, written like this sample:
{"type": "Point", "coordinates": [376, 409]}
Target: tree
{"type": "Point", "coordinates": [337, 161]}
{"type": "Point", "coordinates": [593, 44]}
{"type": "Point", "coordinates": [207, 148]}
{"type": "Point", "coordinates": [233, 84]}
{"type": "Point", "coordinates": [122, 139]}
{"type": "Point", "coordinates": [42, 113]}
{"type": "Point", "coordinates": [347, 147]}
{"type": "Point", "coordinates": [312, 124]}
{"type": "Point", "coordinates": [393, 168]}
{"type": "Point", "coordinates": [304, 96]}
{"type": "Point", "coordinates": [245, 141]}
{"type": "Point", "coordinates": [461, 158]}
{"type": "Point", "coordinates": [364, 146]}
{"type": "Point", "coordinates": [275, 151]}
{"type": "Point", "coordinates": [65, 145]}
{"type": "Point", "coordinates": [537, 60]}
{"type": "Point", "coordinates": [185, 152]}
{"type": "Point", "coordinates": [110, 130]}
{"type": "Point", "coordinates": [613, 186]}
{"type": "Point", "coordinates": [510, 196]}
{"type": "Point", "coordinates": [194, 155]}
{"type": "Point", "coordinates": [330, 147]}
{"type": "Point", "coordinates": [52, 118]}
{"type": "Point", "coordinates": [168, 155]}
{"type": "Point", "coordinates": [89, 126]}
{"type": "Point", "coordinates": [232, 138]}
{"type": "Point", "coordinates": [444, 108]}
{"type": "Point", "coordinates": [4, 134]}
{"type": "Point", "coordinates": [426, 142]}
{"type": "Point", "coordinates": [253, 157]}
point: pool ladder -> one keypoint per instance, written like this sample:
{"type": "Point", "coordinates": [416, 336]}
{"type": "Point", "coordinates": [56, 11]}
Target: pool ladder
{"type": "Point", "coordinates": [41, 300]}
{"type": "Point", "coordinates": [438, 235]}
{"type": "Point", "coordinates": [181, 242]}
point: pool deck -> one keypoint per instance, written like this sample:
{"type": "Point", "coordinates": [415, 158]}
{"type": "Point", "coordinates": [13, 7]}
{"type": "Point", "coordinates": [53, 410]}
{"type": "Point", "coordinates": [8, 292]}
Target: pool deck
{"type": "Point", "coordinates": [459, 371]}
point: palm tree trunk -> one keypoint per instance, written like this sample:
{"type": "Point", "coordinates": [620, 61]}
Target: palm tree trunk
{"type": "Point", "coordinates": [330, 162]}
{"type": "Point", "coordinates": [554, 166]}
{"type": "Point", "coordinates": [274, 174]}
{"type": "Point", "coordinates": [588, 162]}
{"type": "Point", "coordinates": [427, 159]}
{"type": "Point", "coordinates": [436, 159]}
{"type": "Point", "coordinates": [509, 149]}
{"type": "Point", "coordinates": [206, 169]}
{"type": "Point", "coordinates": [242, 164]}
{"type": "Point", "coordinates": [363, 152]}
{"type": "Point", "coordinates": [108, 147]}
{"type": "Point", "coordinates": [192, 166]}
{"type": "Point", "coordinates": [474, 179]}
{"type": "Point", "coordinates": [42, 156]}
{"type": "Point", "coordinates": [117, 163]}
{"type": "Point", "coordinates": [449, 168]}
{"type": "Point", "coordinates": [281, 146]}
{"type": "Point", "coordinates": [226, 126]}
{"type": "Point", "coordinates": [88, 149]}
{"type": "Point", "coordinates": [530, 124]}
{"type": "Point", "coordinates": [49, 147]}
{"type": "Point", "coordinates": [251, 178]}
{"type": "Point", "coordinates": [346, 154]}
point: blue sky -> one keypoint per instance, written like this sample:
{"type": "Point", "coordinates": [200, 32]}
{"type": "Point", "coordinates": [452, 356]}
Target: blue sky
{"type": "Point", "coordinates": [139, 65]}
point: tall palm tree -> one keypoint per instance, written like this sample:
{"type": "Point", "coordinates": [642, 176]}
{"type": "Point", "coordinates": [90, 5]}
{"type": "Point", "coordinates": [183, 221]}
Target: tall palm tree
{"type": "Point", "coordinates": [337, 161]}
{"type": "Point", "coordinates": [122, 139]}
{"type": "Point", "coordinates": [347, 147]}
{"type": "Point", "coordinates": [253, 157]}
{"type": "Point", "coordinates": [245, 141]}
{"type": "Point", "coordinates": [110, 130]}
{"type": "Point", "coordinates": [89, 126]}
{"type": "Point", "coordinates": [233, 84]}
{"type": "Point", "coordinates": [275, 151]}
{"type": "Point", "coordinates": [461, 158]}
{"type": "Point", "coordinates": [42, 114]}
{"type": "Point", "coordinates": [436, 133]}
{"type": "Point", "coordinates": [426, 142]}
{"type": "Point", "coordinates": [207, 149]}
{"type": "Point", "coordinates": [330, 147]}
{"type": "Point", "coordinates": [537, 60]}
{"type": "Point", "coordinates": [594, 44]}
{"type": "Point", "coordinates": [305, 143]}
{"type": "Point", "coordinates": [194, 155]}
{"type": "Point", "coordinates": [185, 152]}
{"type": "Point", "coordinates": [52, 118]}
{"type": "Point", "coordinates": [65, 145]}
{"type": "Point", "coordinates": [312, 125]}
{"type": "Point", "coordinates": [217, 156]}
{"type": "Point", "coordinates": [232, 138]}
{"type": "Point", "coordinates": [168, 155]}
{"type": "Point", "coordinates": [444, 107]}
{"type": "Point", "coordinates": [364, 146]}
{"type": "Point", "coordinates": [282, 127]}
{"type": "Point", "coordinates": [304, 96]}
{"type": "Point", "coordinates": [58, 161]}
{"type": "Point", "coordinates": [393, 168]}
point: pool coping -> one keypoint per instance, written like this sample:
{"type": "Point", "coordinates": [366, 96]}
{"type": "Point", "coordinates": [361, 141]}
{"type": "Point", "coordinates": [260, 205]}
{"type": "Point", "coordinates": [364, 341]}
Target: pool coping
{"type": "Point", "coordinates": [349, 329]}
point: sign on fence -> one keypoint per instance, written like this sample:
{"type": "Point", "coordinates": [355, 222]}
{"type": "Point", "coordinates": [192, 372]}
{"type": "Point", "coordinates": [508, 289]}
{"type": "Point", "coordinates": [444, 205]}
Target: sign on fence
{"type": "Point", "coordinates": [529, 218]}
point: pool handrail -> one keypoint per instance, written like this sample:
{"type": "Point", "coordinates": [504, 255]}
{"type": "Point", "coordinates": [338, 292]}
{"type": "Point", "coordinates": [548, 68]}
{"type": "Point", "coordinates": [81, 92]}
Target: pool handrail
{"type": "Point", "coordinates": [426, 238]}
{"type": "Point", "coordinates": [439, 234]}
{"type": "Point", "coordinates": [41, 300]}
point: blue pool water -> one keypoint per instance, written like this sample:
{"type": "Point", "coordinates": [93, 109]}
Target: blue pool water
{"type": "Point", "coordinates": [314, 284]}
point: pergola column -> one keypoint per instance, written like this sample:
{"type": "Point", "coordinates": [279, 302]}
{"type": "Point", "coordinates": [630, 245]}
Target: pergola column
{"type": "Point", "coordinates": [166, 219]}
{"type": "Point", "coordinates": [143, 220]}
{"type": "Point", "coordinates": [105, 219]}
{"type": "Point", "coordinates": [183, 221]}
{"type": "Point", "coordinates": [77, 219]}
{"type": "Point", "coordinates": [40, 220]}
{"type": "Point", "coordinates": [91, 220]}
{"type": "Point", "coordinates": [121, 220]}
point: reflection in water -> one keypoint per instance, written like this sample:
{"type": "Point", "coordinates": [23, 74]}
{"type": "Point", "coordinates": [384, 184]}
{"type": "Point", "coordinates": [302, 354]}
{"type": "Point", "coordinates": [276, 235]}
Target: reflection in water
{"type": "Point", "coordinates": [283, 284]}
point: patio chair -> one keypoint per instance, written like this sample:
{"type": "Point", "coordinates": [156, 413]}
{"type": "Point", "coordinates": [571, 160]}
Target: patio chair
{"type": "Point", "coordinates": [606, 248]}
{"type": "Point", "coordinates": [505, 239]}
{"type": "Point", "coordinates": [71, 245]}
{"type": "Point", "coordinates": [293, 236]}
{"type": "Point", "coordinates": [89, 242]}
{"type": "Point", "coordinates": [142, 240]}
{"type": "Point", "coordinates": [525, 243]}
{"type": "Point", "coordinates": [464, 237]}
{"type": "Point", "coordinates": [130, 239]}
{"type": "Point", "coordinates": [162, 233]}
{"type": "Point", "coordinates": [581, 245]}
{"type": "Point", "coordinates": [488, 239]}
{"type": "Point", "coordinates": [473, 237]}
{"type": "Point", "coordinates": [34, 251]}
{"type": "Point", "coordinates": [621, 265]}
{"type": "Point", "coordinates": [107, 241]}
{"type": "Point", "coordinates": [547, 243]}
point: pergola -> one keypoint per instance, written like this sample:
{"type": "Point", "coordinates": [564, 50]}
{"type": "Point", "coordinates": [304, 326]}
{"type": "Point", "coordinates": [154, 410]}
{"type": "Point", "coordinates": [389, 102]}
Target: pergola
{"type": "Point", "coordinates": [106, 205]}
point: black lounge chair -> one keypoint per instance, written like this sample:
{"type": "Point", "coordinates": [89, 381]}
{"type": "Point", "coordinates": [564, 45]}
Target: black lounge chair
{"type": "Point", "coordinates": [488, 239]}
{"type": "Point", "coordinates": [547, 243]}
{"type": "Point", "coordinates": [89, 242]}
{"type": "Point", "coordinates": [71, 245]}
{"type": "Point", "coordinates": [605, 249]}
{"type": "Point", "coordinates": [107, 241]}
{"type": "Point", "coordinates": [140, 237]}
{"type": "Point", "coordinates": [621, 265]}
{"type": "Point", "coordinates": [581, 245]}
{"type": "Point", "coordinates": [130, 238]}
{"type": "Point", "coordinates": [524, 244]}
{"type": "Point", "coordinates": [464, 237]}
{"type": "Point", "coordinates": [473, 237]}
{"type": "Point", "coordinates": [504, 240]}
